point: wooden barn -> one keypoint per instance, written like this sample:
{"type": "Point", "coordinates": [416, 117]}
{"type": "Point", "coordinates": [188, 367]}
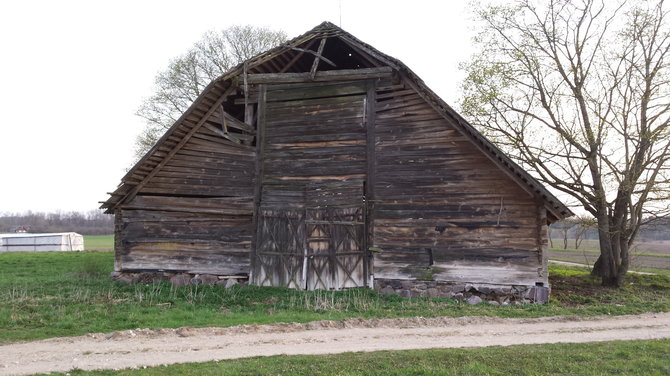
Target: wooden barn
{"type": "Point", "coordinates": [325, 164]}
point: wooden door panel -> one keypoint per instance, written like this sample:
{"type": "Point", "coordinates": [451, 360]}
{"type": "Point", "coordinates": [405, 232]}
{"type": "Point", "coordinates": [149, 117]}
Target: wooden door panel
{"type": "Point", "coordinates": [280, 249]}
{"type": "Point", "coordinates": [335, 236]}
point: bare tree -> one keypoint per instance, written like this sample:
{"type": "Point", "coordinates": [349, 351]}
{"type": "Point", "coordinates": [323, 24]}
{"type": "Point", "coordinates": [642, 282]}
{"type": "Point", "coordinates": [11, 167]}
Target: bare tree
{"type": "Point", "coordinates": [187, 75]}
{"type": "Point", "coordinates": [582, 224]}
{"type": "Point", "coordinates": [563, 227]}
{"type": "Point", "coordinates": [578, 92]}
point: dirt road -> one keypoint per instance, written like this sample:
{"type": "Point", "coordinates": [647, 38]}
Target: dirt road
{"type": "Point", "coordinates": [136, 348]}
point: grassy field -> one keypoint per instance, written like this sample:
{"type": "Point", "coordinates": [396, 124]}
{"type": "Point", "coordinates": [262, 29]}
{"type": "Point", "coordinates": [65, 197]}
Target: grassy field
{"type": "Point", "coordinates": [655, 247]}
{"type": "Point", "coordinates": [605, 358]}
{"type": "Point", "coordinates": [53, 294]}
{"type": "Point", "coordinates": [643, 262]}
{"type": "Point", "coordinates": [99, 242]}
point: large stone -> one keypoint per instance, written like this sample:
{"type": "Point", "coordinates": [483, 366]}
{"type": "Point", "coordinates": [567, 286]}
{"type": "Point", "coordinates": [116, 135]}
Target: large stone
{"type": "Point", "coordinates": [208, 279]}
{"type": "Point", "coordinates": [407, 284]}
{"type": "Point", "coordinates": [444, 289]}
{"type": "Point", "coordinates": [432, 292]}
{"type": "Point", "coordinates": [146, 278]}
{"type": "Point", "coordinates": [504, 290]}
{"type": "Point", "coordinates": [231, 282]}
{"type": "Point", "coordinates": [180, 280]}
{"type": "Point", "coordinates": [123, 278]}
{"type": "Point", "coordinates": [484, 289]}
{"type": "Point", "coordinates": [458, 288]}
{"type": "Point", "coordinates": [388, 290]}
{"type": "Point", "coordinates": [474, 300]}
{"type": "Point", "coordinates": [417, 293]}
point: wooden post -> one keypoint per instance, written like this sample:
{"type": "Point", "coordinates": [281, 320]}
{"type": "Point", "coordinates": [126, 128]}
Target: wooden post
{"type": "Point", "coordinates": [258, 183]}
{"type": "Point", "coordinates": [315, 64]}
{"type": "Point", "coordinates": [542, 242]}
{"type": "Point", "coordinates": [296, 57]}
{"type": "Point", "coordinates": [370, 109]}
{"type": "Point", "coordinates": [118, 244]}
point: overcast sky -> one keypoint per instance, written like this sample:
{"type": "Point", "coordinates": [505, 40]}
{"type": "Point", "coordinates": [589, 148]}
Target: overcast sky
{"type": "Point", "coordinates": [72, 75]}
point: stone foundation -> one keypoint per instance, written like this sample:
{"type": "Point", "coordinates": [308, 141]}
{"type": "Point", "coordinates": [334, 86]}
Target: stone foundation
{"type": "Point", "coordinates": [472, 293]}
{"type": "Point", "coordinates": [468, 292]}
{"type": "Point", "coordinates": [178, 279]}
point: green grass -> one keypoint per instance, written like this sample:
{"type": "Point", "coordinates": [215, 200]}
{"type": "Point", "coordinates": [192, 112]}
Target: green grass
{"type": "Point", "coordinates": [604, 358]}
{"type": "Point", "coordinates": [664, 272]}
{"type": "Point", "coordinates": [51, 294]}
{"type": "Point", "coordinates": [98, 242]}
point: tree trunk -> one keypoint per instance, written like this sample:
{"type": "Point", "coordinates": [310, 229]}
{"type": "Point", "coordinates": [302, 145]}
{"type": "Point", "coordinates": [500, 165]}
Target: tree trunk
{"type": "Point", "coordinates": [613, 278]}
{"type": "Point", "coordinates": [606, 266]}
{"type": "Point", "coordinates": [625, 260]}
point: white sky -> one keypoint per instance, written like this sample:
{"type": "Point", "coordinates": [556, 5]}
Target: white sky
{"type": "Point", "coordinates": [72, 74]}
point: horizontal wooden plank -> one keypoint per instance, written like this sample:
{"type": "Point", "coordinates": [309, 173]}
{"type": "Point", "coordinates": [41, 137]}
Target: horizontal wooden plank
{"type": "Point", "coordinates": [321, 76]}
{"type": "Point", "coordinates": [217, 264]}
{"type": "Point", "coordinates": [187, 247]}
{"type": "Point", "coordinates": [462, 272]}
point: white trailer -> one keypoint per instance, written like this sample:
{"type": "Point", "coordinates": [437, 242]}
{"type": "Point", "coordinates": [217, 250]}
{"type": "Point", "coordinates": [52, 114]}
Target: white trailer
{"type": "Point", "coordinates": [25, 242]}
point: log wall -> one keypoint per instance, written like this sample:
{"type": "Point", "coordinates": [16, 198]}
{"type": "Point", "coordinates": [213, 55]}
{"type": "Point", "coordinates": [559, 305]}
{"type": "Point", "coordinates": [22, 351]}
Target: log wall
{"type": "Point", "coordinates": [195, 213]}
{"type": "Point", "coordinates": [438, 208]}
{"type": "Point", "coordinates": [443, 210]}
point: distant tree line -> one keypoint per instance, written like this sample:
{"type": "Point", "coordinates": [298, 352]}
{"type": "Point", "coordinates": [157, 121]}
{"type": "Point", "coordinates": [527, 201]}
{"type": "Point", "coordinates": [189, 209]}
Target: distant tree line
{"type": "Point", "coordinates": [658, 229]}
{"type": "Point", "coordinates": [93, 222]}
{"type": "Point", "coordinates": [570, 232]}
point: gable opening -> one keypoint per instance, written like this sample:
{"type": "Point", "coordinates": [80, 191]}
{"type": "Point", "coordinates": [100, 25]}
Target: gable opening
{"type": "Point", "coordinates": [336, 54]}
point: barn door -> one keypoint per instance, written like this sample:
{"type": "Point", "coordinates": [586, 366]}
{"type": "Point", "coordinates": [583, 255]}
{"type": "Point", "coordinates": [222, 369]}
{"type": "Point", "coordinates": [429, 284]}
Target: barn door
{"type": "Point", "coordinates": [280, 248]}
{"type": "Point", "coordinates": [319, 244]}
{"type": "Point", "coordinates": [335, 222]}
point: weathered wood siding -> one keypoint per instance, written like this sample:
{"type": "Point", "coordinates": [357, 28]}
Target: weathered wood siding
{"type": "Point", "coordinates": [343, 151]}
{"type": "Point", "coordinates": [311, 211]}
{"type": "Point", "coordinates": [195, 213]}
{"type": "Point", "coordinates": [314, 133]}
{"type": "Point", "coordinates": [443, 210]}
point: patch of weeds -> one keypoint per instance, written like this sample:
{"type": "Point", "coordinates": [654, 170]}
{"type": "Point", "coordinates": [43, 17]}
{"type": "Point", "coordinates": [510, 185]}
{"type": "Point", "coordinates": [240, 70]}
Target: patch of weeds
{"type": "Point", "coordinates": [92, 268]}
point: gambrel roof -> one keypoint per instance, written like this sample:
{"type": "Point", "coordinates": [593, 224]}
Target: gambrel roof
{"type": "Point", "coordinates": [339, 55]}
